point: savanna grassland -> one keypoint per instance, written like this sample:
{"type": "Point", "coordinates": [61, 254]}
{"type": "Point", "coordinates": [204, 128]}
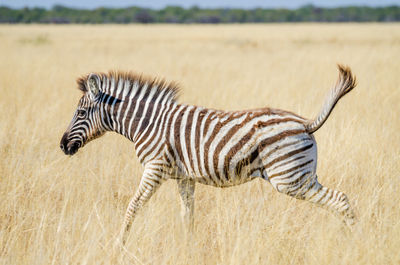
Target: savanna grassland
{"type": "Point", "coordinates": [56, 209]}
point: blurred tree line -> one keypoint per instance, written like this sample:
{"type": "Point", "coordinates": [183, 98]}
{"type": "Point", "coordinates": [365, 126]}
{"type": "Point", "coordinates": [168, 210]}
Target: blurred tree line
{"type": "Point", "coordinates": [175, 14]}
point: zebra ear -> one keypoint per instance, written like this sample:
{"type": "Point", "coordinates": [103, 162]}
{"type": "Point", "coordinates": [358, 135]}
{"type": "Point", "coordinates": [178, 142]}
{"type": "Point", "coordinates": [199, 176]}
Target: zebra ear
{"type": "Point", "coordinates": [93, 83]}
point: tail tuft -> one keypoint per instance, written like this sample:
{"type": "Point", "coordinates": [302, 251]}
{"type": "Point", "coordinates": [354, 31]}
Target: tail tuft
{"type": "Point", "coordinates": [345, 83]}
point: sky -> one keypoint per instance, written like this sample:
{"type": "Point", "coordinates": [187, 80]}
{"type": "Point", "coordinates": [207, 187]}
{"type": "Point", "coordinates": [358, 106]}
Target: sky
{"type": "Point", "coordinates": [157, 4]}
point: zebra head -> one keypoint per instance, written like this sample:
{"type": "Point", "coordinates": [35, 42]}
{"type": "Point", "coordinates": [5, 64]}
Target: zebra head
{"type": "Point", "coordinates": [86, 124]}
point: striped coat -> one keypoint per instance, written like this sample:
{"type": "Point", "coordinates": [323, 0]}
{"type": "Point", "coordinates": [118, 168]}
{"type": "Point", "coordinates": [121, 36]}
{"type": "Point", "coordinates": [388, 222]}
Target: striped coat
{"type": "Point", "coordinates": [195, 144]}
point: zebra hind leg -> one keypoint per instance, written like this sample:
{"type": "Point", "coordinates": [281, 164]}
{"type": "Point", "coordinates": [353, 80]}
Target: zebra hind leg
{"type": "Point", "coordinates": [306, 187]}
{"type": "Point", "coordinates": [334, 200]}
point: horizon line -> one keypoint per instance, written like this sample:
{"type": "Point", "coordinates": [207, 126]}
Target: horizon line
{"type": "Point", "coordinates": [201, 7]}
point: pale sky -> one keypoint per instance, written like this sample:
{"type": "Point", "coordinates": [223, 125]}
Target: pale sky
{"type": "Point", "coordinates": [188, 3]}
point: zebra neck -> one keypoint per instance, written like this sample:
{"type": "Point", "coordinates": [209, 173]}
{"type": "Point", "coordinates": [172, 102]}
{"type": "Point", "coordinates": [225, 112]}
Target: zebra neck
{"type": "Point", "coordinates": [131, 105]}
{"type": "Point", "coordinates": [140, 119]}
{"type": "Point", "coordinates": [137, 108]}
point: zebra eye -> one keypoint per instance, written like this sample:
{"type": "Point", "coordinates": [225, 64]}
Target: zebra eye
{"type": "Point", "coordinates": [81, 112]}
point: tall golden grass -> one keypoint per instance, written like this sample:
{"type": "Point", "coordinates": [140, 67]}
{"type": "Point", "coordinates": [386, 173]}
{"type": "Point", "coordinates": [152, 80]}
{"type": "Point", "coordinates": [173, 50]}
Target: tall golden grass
{"type": "Point", "coordinates": [56, 209]}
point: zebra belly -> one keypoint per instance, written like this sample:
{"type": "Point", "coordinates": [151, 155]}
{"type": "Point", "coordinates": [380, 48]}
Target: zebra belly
{"type": "Point", "coordinates": [286, 162]}
{"type": "Point", "coordinates": [225, 183]}
{"type": "Point", "coordinates": [241, 174]}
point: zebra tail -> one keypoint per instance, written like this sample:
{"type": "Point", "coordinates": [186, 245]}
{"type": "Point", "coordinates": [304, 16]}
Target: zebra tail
{"type": "Point", "coordinates": [345, 83]}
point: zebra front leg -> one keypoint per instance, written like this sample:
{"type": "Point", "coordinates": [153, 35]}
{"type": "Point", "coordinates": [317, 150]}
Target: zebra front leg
{"type": "Point", "coordinates": [148, 185]}
{"type": "Point", "coordinates": [186, 191]}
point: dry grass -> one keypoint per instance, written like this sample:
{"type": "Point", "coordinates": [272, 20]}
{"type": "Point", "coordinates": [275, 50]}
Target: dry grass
{"type": "Point", "coordinates": [56, 209]}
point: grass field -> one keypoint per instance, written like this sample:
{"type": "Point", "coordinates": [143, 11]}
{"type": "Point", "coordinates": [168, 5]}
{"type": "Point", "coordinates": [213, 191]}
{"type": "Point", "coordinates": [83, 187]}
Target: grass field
{"type": "Point", "coordinates": [56, 209]}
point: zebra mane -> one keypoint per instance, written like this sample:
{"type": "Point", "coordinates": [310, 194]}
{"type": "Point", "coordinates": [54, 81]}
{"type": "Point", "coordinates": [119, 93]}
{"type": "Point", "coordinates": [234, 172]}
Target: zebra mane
{"type": "Point", "coordinates": [171, 89]}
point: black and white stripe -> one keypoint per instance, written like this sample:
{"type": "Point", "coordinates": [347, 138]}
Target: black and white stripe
{"type": "Point", "coordinates": [194, 144]}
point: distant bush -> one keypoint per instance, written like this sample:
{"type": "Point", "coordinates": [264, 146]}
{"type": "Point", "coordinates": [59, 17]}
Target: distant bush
{"type": "Point", "coordinates": [175, 14]}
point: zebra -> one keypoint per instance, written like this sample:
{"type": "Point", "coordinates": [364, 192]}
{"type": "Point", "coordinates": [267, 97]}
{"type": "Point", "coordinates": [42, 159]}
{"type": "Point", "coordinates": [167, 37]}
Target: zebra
{"type": "Point", "coordinates": [195, 144]}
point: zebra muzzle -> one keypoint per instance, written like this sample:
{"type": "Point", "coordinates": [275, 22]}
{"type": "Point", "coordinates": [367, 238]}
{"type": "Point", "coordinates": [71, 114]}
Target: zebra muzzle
{"type": "Point", "coordinates": [69, 148]}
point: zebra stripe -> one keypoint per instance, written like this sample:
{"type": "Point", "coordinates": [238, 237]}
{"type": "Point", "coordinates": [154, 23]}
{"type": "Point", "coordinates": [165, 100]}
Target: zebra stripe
{"type": "Point", "coordinates": [195, 144]}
